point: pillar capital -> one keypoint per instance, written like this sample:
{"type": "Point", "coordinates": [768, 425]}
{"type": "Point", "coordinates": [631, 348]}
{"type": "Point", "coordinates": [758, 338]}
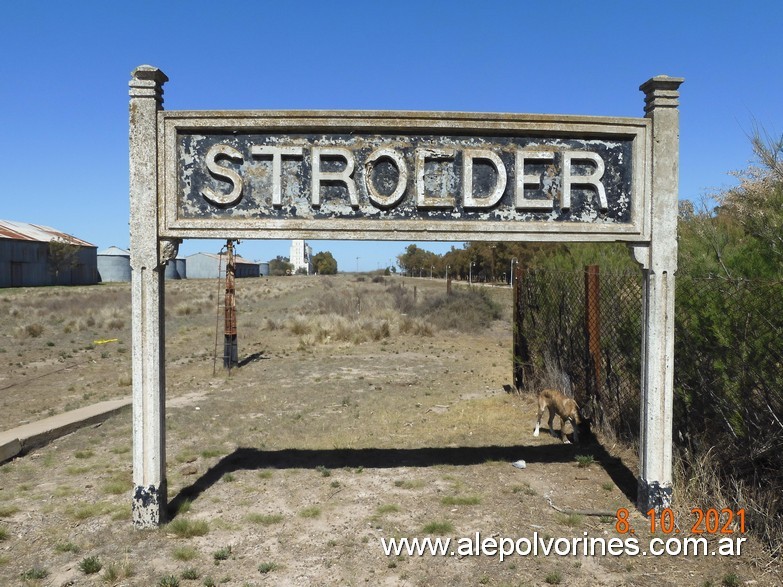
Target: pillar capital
{"type": "Point", "coordinates": [661, 91]}
{"type": "Point", "coordinates": [147, 82]}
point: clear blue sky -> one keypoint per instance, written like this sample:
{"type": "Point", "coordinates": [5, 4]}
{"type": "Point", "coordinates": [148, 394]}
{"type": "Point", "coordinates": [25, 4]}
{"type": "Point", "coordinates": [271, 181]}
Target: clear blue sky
{"type": "Point", "coordinates": [65, 68]}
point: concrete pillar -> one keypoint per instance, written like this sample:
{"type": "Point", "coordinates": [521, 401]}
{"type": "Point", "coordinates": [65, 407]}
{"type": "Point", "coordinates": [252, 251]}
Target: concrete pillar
{"type": "Point", "coordinates": [147, 296]}
{"type": "Point", "coordinates": [659, 265]}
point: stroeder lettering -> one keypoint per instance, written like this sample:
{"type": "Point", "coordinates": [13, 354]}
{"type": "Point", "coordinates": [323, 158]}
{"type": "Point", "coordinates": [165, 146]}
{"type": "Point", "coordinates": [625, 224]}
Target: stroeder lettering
{"type": "Point", "coordinates": [557, 180]}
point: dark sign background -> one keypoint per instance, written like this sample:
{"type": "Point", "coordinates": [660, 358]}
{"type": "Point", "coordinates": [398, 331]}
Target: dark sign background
{"type": "Point", "coordinates": [443, 178]}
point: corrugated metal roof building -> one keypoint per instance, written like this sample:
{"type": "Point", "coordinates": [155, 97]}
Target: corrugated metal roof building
{"type": "Point", "coordinates": [211, 266]}
{"type": "Point", "coordinates": [34, 255]}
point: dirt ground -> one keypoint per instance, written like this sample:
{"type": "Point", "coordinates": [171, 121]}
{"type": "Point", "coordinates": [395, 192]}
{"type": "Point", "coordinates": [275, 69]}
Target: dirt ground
{"type": "Point", "coordinates": [349, 422]}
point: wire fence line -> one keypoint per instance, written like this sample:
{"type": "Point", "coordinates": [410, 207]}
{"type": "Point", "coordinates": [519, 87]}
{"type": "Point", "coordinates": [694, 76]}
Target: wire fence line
{"type": "Point", "coordinates": [581, 331]}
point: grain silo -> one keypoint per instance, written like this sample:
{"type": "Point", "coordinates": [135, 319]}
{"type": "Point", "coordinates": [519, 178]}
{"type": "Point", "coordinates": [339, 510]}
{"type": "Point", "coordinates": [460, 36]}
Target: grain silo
{"type": "Point", "coordinates": [114, 265]}
{"type": "Point", "coordinates": [263, 269]}
{"type": "Point", "coordinates": [172, 270]}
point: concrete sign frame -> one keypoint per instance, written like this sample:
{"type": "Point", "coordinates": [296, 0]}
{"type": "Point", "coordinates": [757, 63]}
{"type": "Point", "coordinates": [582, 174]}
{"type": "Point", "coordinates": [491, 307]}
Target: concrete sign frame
{"type": "Point", "coordinates": [400, 176]}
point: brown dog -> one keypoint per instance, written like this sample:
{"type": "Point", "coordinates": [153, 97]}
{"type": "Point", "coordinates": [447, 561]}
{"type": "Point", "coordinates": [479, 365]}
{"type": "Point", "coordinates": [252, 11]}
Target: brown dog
{"type": "Point", "coordinates": [565, 407]}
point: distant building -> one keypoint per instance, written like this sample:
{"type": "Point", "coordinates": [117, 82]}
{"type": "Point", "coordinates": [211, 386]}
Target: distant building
{"type": "Point", "coordinates": [34, 255]}
{"type": "Point", "coordinates": [211, 266]}
{"type": "Point", "coordinates": [114, 265]}
{"type": "Point", "coordinates": [175, 268]}
{"type": "Point", "coordinates": [301, 255]}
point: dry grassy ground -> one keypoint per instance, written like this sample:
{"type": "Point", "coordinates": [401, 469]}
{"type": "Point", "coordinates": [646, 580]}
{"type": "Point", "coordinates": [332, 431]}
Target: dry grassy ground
{"type": "Point", "coordinates": [354, 418]}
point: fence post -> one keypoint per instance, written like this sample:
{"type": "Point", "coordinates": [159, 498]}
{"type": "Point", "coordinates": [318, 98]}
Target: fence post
{"type": "Point", "coordinates": [521, 351]}
{"type": "Point", "coordinates": [593, 332]}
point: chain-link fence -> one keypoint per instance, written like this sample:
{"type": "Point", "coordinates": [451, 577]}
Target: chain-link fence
{"type": "Point", "coordinates": [581, 331]}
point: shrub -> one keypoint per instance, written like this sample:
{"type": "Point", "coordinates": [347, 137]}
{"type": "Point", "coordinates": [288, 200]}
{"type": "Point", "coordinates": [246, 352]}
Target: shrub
{"type": "Point", "coordinates": [90, 565]}
{"type": "Point", "coordinates": [464, 310]}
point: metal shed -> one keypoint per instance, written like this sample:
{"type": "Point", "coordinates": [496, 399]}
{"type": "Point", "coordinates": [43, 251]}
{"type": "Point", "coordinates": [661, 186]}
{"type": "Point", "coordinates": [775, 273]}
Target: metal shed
{"type": "Point", "coordinates": [175, 269]}
{"type": "Point", "coordinates": [35, 255]}
{"type": "Point", "coordinates": [211, 266]}
{"type": "Point", "coordinates": [114, 265]}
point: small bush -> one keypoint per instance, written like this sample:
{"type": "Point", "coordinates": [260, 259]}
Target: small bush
{"type": "Point", "coordinates": [553, 578]}
{"type": "Point", "coordinates": [464, 310]}
{"type": "Point", "coordinates": [90, 565]}
{"type": "Point", "coordinates": [265, 568]}
{"type": "Point", "coordinates": [584, 461]}
{"type": "Point", "coordinates": [310, 512]}
{"type": "Point", "coordinates": [190, 574]}
{"type": "Point", "coordinates": [222, 554]}
{"type": "Point", "coordinates": [35, 573]}
{"type": "Point", "coordinates": [168, 581]}
{"type": "Point", "coordinates": [34, 330]}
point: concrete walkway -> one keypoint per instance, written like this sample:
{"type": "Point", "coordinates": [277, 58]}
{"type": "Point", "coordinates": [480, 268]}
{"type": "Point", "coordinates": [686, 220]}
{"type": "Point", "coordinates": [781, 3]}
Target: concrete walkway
{"type": "Point", "coordinates": [25, 438]}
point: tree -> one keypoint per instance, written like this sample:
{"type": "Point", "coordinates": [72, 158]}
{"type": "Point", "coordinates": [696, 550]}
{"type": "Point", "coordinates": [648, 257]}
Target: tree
{"type": "Point", "coordinates": [63, 256]}
{"type": "Point", "coordinates": [324, 263]}
{"type": "Point", "coordinates": [741, 237]}
{"type": "Point", "coordinates": [280, 266]}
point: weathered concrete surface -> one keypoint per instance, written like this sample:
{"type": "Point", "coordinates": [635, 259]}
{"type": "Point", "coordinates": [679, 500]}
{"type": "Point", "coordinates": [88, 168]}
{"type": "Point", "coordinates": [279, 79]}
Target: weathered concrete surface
{"type": "Point", "coordinates": [25, 438]}
{"type": "Point", "coordinates": [659, 265]}
{"type": "Point", "coordinates": [148, 258]}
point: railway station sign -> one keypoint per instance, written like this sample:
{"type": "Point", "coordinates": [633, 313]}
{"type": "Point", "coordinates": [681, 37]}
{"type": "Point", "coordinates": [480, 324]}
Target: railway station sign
{"type": "Point", "coordinates": [402, 175]}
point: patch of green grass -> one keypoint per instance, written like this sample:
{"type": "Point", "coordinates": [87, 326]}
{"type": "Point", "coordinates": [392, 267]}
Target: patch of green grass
{"type": "Point", "coordinates": [570, 520]}
{"type": "Point", "coordinates": [211, 452]}
{"type": "Point", "coordinates": [439, 527]}
{"type": "Point", "coordinates": [553, 578]}
{"type": "Point", "coordinates": [35, 573]}
{"type": "Point", "coordinates": [265, 568]}
{"type": "Point", "coordinates": [265, 519]}
{"type": "Point", "coordinates": [229, 477]}
{"type": "Point", "coordinates": [184, 553]}
{"type": "Point", "coordinates": [222, 554]}
{"type": "Point", "coordinates": [84, 454]}
{"type": "Point", "coordinates": [405, 484]}
{"type": "Point", "coordinates": [66, 547]}
{"type": "Point", "coordinates": [324, 471]}
{"type": "Point", "coordinates": [310, 512]}
{"type": "Point", "coordinates": [90, 510]}
{"type": "Point", "coordinates": [608, 486]}
{"type": "Point", "coordinates": [209, 582]}
{"type": "Point", "coordinates": [73, 470]}
{"type": "Point", "coordinates": [168, 581]}
{"type": "Point", "coordinates": [523, 489]}
{"type": "Point", "coordinates": [461, 500]}
{"type": "Point", "coordinates": [190, 574]}
{"type": "Point", "coordinates": [388, 508]}
{"type": "Point", "coordinates": [116, 487]}
{"type": "Point", "coordinates": [6, 511]}
{"type": "Point", "coordinates": [183, 507]}
{"type": "Point", "coordinates": [583, 461]}
{"type": "Point", "coordinates": [265, 474]}
{"type": "Point", "coordinates": [90, 565]}
{"type": "Point", "coordinates": [185, 528]}
{"type": "Point", "coordinates": [731, 580]}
